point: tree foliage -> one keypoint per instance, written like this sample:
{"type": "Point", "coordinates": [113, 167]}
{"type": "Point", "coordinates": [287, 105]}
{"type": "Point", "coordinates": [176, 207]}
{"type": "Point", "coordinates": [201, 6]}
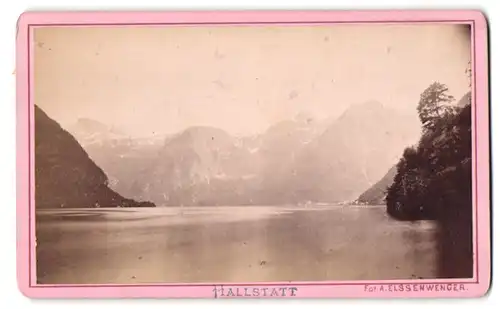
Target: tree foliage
{"type": "Point", "coordinates": [434, 179]}
{"type": "Point", "coordinates": [436, 172]}
{"type": "Point", "coordinates": [434, 105]}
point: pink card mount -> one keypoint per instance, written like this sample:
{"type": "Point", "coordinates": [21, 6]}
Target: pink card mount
{"type": "Point", "coordinates": [253, 154]}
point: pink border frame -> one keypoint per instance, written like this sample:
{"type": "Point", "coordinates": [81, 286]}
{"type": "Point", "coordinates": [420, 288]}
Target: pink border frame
{"type": "Point", "coordinates": [478, 286]}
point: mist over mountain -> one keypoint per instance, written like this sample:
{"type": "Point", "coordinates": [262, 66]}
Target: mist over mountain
{"type": "Point", "coordinates": [294, 161]}
{"type": "Point", "coordinates": [354, 152]}
{"type": "Point", "coordinates": [121, 156]}
{"type": "Point", "coordinates": [65, 176]}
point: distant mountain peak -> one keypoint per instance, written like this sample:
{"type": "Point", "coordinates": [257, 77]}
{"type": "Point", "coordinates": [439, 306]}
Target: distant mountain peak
{"type": "Point", "coordinates": [89, 131]}
{"type": "Point", "coordinates": [367, 109]}
{"type": "Point", "coordinates": [85, 120]}
{"type": "Point", "coordinates": [204, 132]}
{"type": "Point", "coordinates": [91, 124]}
{"type": "Point", "coordinates": [198, 129]}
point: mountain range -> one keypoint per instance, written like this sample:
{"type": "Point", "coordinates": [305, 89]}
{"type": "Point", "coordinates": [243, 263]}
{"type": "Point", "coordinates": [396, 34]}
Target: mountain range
{"type": "Point", "coordinates": [300, 160]}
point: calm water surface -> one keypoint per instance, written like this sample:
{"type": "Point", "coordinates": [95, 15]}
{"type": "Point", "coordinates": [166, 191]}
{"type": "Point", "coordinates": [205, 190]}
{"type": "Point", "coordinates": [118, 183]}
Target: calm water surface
{"type": "Point", "coordinates": [230, 244]}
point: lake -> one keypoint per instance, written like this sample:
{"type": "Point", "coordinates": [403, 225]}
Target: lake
{"type": "Point", "coordinates": [230, 244]}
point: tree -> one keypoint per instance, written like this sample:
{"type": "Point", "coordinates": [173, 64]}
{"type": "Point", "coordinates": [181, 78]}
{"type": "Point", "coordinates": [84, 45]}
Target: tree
{"type": "Point", "coordinates": [407, 194]}
{"type": "Point", "coordinates": [434, 105]}
{"type": "Point", "coordinates": [434, 180]}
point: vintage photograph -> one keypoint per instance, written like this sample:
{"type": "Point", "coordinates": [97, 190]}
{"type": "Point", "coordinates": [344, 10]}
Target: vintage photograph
{"type": "Point", "coordinates": [252, 153]}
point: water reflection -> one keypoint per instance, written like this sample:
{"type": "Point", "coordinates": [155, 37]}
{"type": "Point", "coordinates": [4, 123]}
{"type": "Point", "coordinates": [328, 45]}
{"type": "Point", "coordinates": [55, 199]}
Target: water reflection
{"type": "Point", "coordinates": [230, 244]}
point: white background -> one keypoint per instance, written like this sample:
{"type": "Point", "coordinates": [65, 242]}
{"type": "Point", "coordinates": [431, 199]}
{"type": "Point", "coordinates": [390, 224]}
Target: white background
{"type": "Point", "coordinates": [10, 297]}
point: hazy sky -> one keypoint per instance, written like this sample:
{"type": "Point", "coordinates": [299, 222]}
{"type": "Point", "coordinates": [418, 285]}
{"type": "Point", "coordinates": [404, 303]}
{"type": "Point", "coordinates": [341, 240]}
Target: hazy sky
{"type": "Point", "coordinates": [241, 79]}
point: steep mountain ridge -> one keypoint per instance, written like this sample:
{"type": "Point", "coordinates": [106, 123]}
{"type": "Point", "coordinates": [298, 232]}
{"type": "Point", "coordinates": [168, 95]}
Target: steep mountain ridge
{"type": "Point", "coordinates": [65, 176]}
{"type": "Point", "coordinates": [375, 195]}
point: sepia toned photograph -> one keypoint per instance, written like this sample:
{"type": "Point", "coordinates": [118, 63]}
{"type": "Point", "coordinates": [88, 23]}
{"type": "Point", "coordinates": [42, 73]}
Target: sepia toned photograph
{"type": "Point", "coordinates": [256, 153]}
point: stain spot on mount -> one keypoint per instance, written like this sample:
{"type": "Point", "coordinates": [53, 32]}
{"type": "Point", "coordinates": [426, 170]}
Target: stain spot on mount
{"type": "Point", "coordinates": [219, 55]}
{"type": "Point", "coordinates": [293, 95]}
{"type": "Point", "coordinates": [219, 83]}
